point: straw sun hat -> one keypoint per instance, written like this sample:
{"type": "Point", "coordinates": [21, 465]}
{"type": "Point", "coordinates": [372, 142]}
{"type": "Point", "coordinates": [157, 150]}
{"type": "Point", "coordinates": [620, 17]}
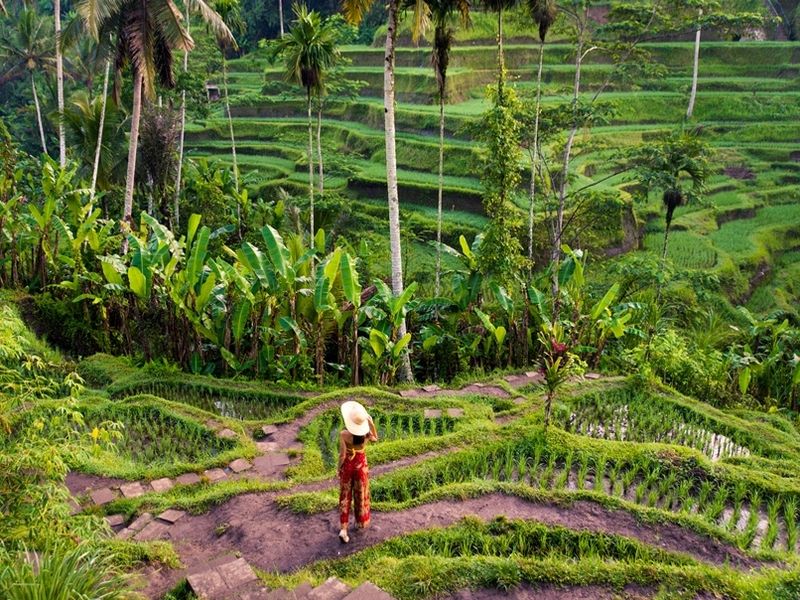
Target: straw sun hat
{"type": "Point", "coordinates": [356, 420]}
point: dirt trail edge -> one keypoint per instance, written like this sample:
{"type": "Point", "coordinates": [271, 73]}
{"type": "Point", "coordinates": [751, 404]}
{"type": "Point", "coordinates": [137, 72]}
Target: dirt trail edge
{"type": "Point", "coordinates": [275, 539]}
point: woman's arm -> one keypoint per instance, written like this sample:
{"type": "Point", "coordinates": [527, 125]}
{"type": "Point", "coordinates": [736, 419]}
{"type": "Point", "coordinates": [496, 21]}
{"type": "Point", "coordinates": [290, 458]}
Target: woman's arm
{"type": "Point", "coordinates": [342, 450]}
{"type": "Point", "coordinates": [373, 433]}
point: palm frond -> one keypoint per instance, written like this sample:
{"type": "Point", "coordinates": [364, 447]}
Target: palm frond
{"type": "Point", "coordinates": [421, 13]}
{"type": "Point", "coordinates": [355, 10]}
{"type": "Point", "coordinates": [169, 22]}
{"type": "Point", "coordinates": [74, 32]}
{"type": "Point", "coordinates": [213, 21]}
{"type": "Point", "coordinates": [498, 5]}
{"type": "Point", "coordinates": [138, 39]}
{"type": "Point", "coordinates": [463, 8]}
{"type": "Point", "coordinates": [162, 59]}
{"type": "Point", "coordinates": [544, 13]}
{"type": "Point", "coordinates": [95, 12]}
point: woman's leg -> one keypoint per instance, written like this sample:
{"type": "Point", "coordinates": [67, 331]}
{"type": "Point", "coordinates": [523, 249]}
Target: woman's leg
{"type": "Point", "coordinates": [361, 498]}
{"type": "Point", "coordinates": [345, 497]}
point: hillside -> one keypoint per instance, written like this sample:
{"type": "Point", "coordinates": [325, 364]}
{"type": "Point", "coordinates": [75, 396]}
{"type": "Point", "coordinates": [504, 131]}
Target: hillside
{"type": "Point", "coordinates": [748, 107]}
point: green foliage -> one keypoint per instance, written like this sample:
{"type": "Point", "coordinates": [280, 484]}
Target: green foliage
{"type": "Point", "coordinates": [698, 372]}
{"type": "Point", "coordinates": [60, 572]}
{"type": "Point", "coordinates": [501, 252]}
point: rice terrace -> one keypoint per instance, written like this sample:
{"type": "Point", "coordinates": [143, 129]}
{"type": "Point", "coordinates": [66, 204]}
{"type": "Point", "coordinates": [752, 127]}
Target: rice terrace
{"type": "Point", "coordinates": [435, 299]}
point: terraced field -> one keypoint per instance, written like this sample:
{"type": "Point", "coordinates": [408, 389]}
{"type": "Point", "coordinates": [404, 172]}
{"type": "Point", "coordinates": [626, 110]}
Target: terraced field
{"type": "Point", "coordinates": [631, 489]}
{"type": "Point", "coordinates": [748, 106]}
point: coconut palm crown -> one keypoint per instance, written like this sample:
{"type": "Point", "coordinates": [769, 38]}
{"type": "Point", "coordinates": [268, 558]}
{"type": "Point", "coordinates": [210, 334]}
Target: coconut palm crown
{"type": "Point", "coordinates": [308, 50]}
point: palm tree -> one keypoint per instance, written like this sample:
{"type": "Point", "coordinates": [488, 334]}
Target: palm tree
{"type": "Point", "coordinates": [62, 142]}
{"type": "Point", "coordinates": [441, 12]}
{"type": "Point", "coordinates": [26, 49]}
{"type": "Point", "coordinates": [354, 11]}
{"type": "Point", "coordinates": [230, 12]}
{"type": "Point", "coordinates": [665, 164]}
{"type": "Point", "coordinates": [91, 53]}
{"type": "Point", "coordinates": [176, 205]}
{"type": "Point", "coordinates": [695, 66]}
{"type": "Point", "coordinates": [308, 52]}
{"type": "Point", "coordinates": [499, 6]}
{"type": "Point", "coordinates": [146, 32]}
{"type": "Point", "coordinates": [96, 137]}
{"type": "Point", "coordinates": [544, 15]}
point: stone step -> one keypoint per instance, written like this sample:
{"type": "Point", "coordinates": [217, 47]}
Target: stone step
{"type": "Point", "coordinates": [300, 592]}
{"type": "Point", "coordinates": [332, 589]}
{"type": "Point", "coordinates": [368, 591]}
{"type": "Point", "coordinates": [226, 579]}
{"type": "Point", "coordinates": [250, 591]}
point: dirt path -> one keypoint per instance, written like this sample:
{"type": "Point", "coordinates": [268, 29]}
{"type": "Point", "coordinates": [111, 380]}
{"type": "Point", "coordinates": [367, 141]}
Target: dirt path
{"type": "Point", "coordinates": [275, 539]}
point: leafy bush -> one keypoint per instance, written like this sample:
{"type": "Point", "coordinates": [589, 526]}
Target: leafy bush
{"type": "Point", "coordinates": [672, 358]}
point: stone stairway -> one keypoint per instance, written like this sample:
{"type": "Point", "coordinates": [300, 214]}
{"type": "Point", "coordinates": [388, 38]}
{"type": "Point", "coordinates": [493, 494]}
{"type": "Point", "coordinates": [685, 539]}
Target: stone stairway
{"type": "Point", "coordinates": [231, 578]}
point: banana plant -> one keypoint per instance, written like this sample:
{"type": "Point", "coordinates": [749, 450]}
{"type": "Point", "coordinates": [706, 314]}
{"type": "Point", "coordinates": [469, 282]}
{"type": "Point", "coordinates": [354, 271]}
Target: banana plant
{"type": "Point", "coordinates": [325, 303]}
{"type": "Point", "coordinates": [385, 313]}
{"type": "Point", "coordinates": [291, 266]}
{"type": "Point", "coordinates": [468, 280]}
{"type": "Point", "coordinates": [606, 320]}
{"type": "Point", "coordinates": [495, 338]}
{"type": "Point", "coordinates": [351, 289]}
{"type": "Point", "coordinates": [385, 355]}
{"type": "Point", "coordinates": [89, 231]}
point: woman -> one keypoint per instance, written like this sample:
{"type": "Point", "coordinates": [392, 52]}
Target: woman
{"type": "Point", "coordinates": [353, 470]}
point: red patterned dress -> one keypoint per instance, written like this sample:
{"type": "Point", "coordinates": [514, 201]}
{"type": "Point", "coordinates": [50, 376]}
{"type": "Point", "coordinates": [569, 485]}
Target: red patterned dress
{"type": "Point", "coordinates": [354, 487]}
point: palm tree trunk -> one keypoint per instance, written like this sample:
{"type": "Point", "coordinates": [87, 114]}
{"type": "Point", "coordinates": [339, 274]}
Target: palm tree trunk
{"type": "Point", "coordinates": [319, 150]}
{"type": "Point", "coordinates": [133, 144]}
{"type": "Point", "coordinates": [176, 209]}
{"type": "Point", "coordinates": [310, 166]}
{"type": "Point", "coordinates": [356, 361]}
{"type": "Point", "coordinates": [280, 14]}
{"type": "Point", "coordinates": [230, 122]}
{"type": "Point", "coordinates": [535, 154]}
{"type": "Point", "coordinates": [695, 72]}
{"type": "Point", "coordinates": [440, 191]}
{"type": "Point", "coordinates": [558, 229]}
{"type": "Point", "coordinates": [666, 240]}
{"type": "Point", "coordinates": [391, 173]}
{"type": "Point", "coordinates": [62, 142]}
{"type": "Point", "coordinates": [38, 114]}
{"type": "Point", "coordinates": [97, 150]}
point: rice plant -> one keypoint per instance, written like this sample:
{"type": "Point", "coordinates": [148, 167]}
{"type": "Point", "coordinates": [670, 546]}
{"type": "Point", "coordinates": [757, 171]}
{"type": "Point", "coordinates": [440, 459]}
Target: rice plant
{"type": "Point", "coordinates": [771, 535]}
{"type": "Point", "coordinates": [154, 435]}
{"type": "Point", "coordinates": [790, 520]}
{"type": "Point", "coordinates": [324, 430]}
{"type": "Point", "coordinates": [751, 528]}
{"type": "Point", "coordinates": [235, 400]}
{"type": "Point", "coordinates": [583, 469]}
{"type": "Point", "coordinates": [631, 416]}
